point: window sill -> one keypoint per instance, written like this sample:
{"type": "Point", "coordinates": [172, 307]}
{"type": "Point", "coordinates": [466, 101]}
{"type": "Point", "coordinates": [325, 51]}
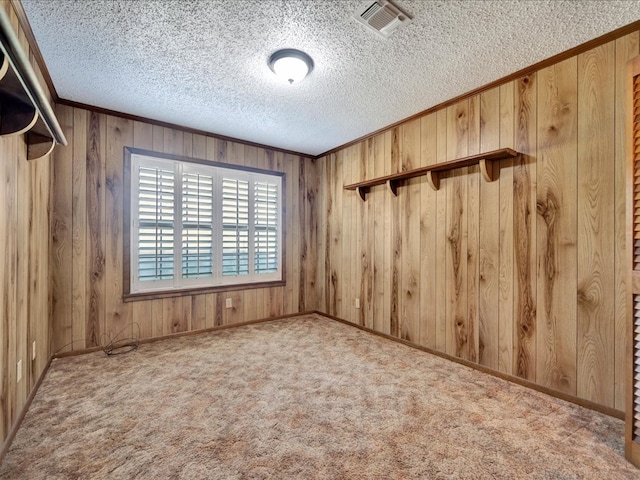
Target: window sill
{"type": "Point", "coordinates": [134, 297]}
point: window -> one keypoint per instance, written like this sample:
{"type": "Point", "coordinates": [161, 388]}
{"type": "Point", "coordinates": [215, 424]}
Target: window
{"type": "Point", "coordinates": [196, 224]}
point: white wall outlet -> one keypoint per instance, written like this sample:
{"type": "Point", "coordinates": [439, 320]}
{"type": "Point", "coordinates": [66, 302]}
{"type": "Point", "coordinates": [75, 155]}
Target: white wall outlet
{"type": "Point", "coordinates": [229, 303]}
{"type": "Point", "coordinates": [357, 303]}
{"type": "Point", "coordinates": [19, 372]}
{"type": "Point", "coordinates": [33, 350]}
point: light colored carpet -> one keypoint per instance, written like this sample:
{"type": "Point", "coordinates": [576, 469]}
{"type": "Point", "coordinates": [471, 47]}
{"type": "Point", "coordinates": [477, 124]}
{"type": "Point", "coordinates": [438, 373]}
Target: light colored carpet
{"type": "Point", "coordinates": [301, 398]}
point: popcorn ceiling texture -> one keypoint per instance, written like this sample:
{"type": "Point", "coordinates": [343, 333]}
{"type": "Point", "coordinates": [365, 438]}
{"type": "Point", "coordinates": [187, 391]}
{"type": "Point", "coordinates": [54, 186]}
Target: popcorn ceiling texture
{"type": "Point", "coordinates": [203, 63]}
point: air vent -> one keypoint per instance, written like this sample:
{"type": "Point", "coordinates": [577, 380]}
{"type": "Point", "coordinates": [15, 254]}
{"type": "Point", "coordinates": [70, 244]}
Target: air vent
{"type": "Point", "coordinates": [381, 16]}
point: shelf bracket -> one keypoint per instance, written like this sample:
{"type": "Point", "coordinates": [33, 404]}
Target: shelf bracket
{"type": "Point", "coordinates": [393, 186]}
{"type": "Point", "coordinates": [362, 192]}
{"type": "Point", "coordinates": [489, 171]}
{"type": "Point", "coordinates": [433, 178]}
{"type": "Point", "coordinates": [38, 146]}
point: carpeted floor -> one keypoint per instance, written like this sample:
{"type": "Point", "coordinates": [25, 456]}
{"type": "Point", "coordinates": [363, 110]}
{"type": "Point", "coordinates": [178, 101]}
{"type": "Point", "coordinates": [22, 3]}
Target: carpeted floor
{"type": "Point", "coordinates": [301, 398]}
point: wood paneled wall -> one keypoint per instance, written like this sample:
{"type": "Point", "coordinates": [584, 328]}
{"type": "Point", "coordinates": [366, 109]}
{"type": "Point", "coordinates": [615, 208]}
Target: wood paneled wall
{"type": "Point", "coordinates": [87, 256]}
{"type": "Point", "coordinates": [524, 275]}
{"type": "Point", "coordinates": [24, 266]}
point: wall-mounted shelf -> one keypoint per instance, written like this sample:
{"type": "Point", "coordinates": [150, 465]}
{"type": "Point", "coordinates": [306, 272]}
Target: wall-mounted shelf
{"type": "Point", "coordinates": [490, 172]}
{"type": "Point", "coordinates": [24, 108]}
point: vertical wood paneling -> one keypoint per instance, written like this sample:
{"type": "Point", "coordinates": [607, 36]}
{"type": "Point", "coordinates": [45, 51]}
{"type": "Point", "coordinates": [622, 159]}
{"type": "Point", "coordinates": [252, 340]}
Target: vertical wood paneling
{"type": "Point", "coordinates": [410, 206]}
{"type": "Point", "coordinates": [557, 226]}
{"type": "Point", "coordinates": [524, 228]}
{"type": "Point", "coordinates": [25, 256]}
{"type": "Point", "coordinates": [427, 252]}
{"type": "Point", "coordinates": [473, 233]}
{"type": "Point", "coordinates": [521, 274]}
{"type": "Point", "coordinates": [396, 239]}
{"type": "Point", "coordinates": [362, 266]}
{"type": "Point", "coordinates": [96, 148]}
{"type": "Point", "coordinates": [61, 248]}
{"type": "Point", "coordinates": [5, 418]}
{"type": "Point", "coordinates": [79, 232]}
{"type": "Point", "coordinates": [388, 251]}
{"type": "Point", "coordinates": [456, 262]}
{"type": "Point", "coordinates": [505, 299]}
{"type": "Point", "coordinates": [118, 315]}
{"type": "Point", "coordinates": [489, 230]}
{"type": "Point", "coordinates": [596, 207]}
{"type": "Point", "coordinates": [442, 245]}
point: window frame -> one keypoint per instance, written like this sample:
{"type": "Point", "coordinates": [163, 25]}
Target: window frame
{"type": "Point", "coordinates": [194, 287]}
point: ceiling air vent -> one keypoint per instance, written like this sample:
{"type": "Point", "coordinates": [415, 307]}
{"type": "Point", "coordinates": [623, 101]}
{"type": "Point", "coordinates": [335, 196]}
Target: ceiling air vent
{"type": "Point", "coordinates": [381, 16]}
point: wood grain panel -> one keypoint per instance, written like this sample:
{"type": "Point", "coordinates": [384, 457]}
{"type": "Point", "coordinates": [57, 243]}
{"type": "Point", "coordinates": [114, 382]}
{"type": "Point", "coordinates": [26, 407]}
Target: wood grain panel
{"type": "Point", "coordinates": [524, 228]}
{"type": "Point", "coordinates": [388, 251]}
{"type": "Point", "coordinates": [8, 294]}
{"type": "Point", "coordinates": [79, 223]}
{"type": "Point", "coordinates": [596, 207]}
{"type": "Point", "coordinates": [456, 264]}
{"type": "Point", "coordinates": [309, 246]}
{"type": "Point", "coordinates": [396, 239]}
{"type": "Point", "coordinates": [409, 211]}
{"type": "Point", "coordinates": [367, 247]}
{"type": "Point", "coordinates": [61, 248]}
{"type": "Point", "coordinates": [95, 155]}
{"type": "Point", "coordinates": [473, 233]}
{"type": "Point", "coordinates": [21, 209]}
{"type": "Point", "coordinates": [428, 228]}
{"type": "Point", "coordinates": [489, 253]}
{"type": "Point", "coordinates": [5, 393]}
{"type": "Point", "coordinates": [557, 226]}
{"type": "Point", "coordinates": [505, 299]}
{"type": "Point", "coordinates": [118, 315]}
{"type": "Point", "coordinates": [441, 238]}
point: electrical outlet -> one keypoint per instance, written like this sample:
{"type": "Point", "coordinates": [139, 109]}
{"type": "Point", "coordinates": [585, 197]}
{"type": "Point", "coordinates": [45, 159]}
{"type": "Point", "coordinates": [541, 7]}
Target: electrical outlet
{"type": "Point", "coordinates": [19, 373]}
{"type": "Point", "coordinates": [357, 303]}
{"type": "Point", "coordinates": [229, 303]}
{"type": "Point", "coordinates": [33, 351]}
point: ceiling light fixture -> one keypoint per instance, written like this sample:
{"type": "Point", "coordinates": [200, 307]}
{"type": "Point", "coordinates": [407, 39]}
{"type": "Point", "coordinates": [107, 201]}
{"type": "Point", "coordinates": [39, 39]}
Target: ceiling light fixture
{"type": "Point", "coordinates": [291, 65]}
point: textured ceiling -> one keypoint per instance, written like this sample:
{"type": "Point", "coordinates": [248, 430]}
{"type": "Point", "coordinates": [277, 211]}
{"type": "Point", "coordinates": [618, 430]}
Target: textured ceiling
{"type": "Point", "coordinates": [203, 63]}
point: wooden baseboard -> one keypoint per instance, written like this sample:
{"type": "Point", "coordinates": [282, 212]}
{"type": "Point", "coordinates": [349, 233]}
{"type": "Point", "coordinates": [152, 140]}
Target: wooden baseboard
{"type": "Point", "coordinates": [189, 333]}
{"type": "Point", "coordinates": [612, 412]}
{"type": "Point", "coordinates": [18, 422]}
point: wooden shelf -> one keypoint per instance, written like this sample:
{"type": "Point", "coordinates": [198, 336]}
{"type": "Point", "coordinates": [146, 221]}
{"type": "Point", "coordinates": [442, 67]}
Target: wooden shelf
{"type": "Point", "coordinates": [24, 109]}
{"type": "Point", "coordinates": [490, 172]}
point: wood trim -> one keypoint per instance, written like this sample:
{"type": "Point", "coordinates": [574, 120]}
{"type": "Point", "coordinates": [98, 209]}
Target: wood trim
{"type": "Point", "coordinates": [128, 151]}
{"type": "Point", "coordinates": [16, 425]}
{"type": "Point", "coordinates": [596, 42]}
{"type": "Point", "coordinates": [159, 123]}
{"type": "Point", "coordinates": [612, 412]}
{"type": "Point", "coordinates": [33, 45]}
{"type": "Point", "coordinates": [133, 297]}
{"type": "Point", "coordinates": [191, 333]}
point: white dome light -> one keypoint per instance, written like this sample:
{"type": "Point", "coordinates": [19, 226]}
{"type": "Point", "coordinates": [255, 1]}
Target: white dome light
{"type": "Point", "coordinates": [291, 65]}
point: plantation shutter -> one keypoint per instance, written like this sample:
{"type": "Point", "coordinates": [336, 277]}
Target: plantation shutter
{"type": "Point", "coordinates": [156, 230]}
{"type": "Point", "coordinates": [266, 227]}
{"type": "Point", "coordinates": [632, 435]}
{"type": "Point", "coordinates": [235, 226]}
{"type": "Point", "coordinates": [197, 228]}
